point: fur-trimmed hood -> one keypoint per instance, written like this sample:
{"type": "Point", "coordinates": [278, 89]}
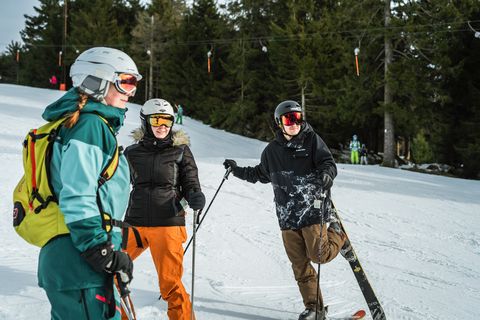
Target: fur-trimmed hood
{"type": "Point", "coordinates": [179, 137]}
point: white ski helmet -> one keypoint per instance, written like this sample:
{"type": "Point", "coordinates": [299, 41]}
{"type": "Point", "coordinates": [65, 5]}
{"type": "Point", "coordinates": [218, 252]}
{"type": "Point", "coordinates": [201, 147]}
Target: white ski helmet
{"type": "Point", "coordinates": [155, 106]}
{"type": "Point", "coordinates": [96, 67]}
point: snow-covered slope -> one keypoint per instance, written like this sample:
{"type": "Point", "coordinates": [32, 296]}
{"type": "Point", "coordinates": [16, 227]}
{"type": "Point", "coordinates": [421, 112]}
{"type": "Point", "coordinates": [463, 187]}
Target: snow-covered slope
{"type": "Point", "coordinates": [417, 236]}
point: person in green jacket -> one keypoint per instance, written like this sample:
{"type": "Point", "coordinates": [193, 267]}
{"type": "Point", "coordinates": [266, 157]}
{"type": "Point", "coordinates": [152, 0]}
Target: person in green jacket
{"type": "Point", "coordinates": [354, 149]}
{"type": "Point", "coordinates": [179, 114]}
{"type": "Point", "coordinates": [76, 270]}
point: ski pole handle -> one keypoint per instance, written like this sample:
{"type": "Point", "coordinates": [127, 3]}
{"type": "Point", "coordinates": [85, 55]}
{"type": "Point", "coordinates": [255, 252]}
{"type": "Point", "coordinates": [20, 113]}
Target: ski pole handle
{"type": "Point", "coordinates": [124, 291]}
{"type": "Point", "coordinates": [197, 214]}
{"type": "Point", "coordinates": [227, 173]}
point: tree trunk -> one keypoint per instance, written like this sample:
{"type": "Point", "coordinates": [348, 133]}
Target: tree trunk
{"type": "Point", "coordinates": [242, 89]}
{"type": "Point", "coordinates": [389, 132]}
{"type": "Point", "coordinates": [150, 75]}
{"type": "Point", "coordinates": [146, 87]}
{"type": "Point", "coordinates": [303, 103]}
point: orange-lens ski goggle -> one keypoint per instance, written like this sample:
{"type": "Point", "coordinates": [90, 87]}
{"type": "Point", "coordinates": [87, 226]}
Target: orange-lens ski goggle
{"type": "Point", "coordinates": [126, 83]}
{"type": "Point", "coordinates": [157, 120]}
{"type": "Point", "coordinates": [291, 118]}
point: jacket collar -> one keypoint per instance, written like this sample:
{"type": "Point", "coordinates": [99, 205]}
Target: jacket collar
{"type": "Point", "coordinates": [68, 104]}
{"type": "Point", "coordinates": [297, 141]}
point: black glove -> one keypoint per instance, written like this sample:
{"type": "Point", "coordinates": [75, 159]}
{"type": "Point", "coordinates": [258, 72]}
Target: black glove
{"type": "Point", "coordinates": [326, 181]}
{"type": "Point", "coordinates": [196, 200]}
{"type": "Point", "coordinates": [102, 258]}
{"type": "Point", "coordinates": [122, 265]}
{"type": "Point", "coordinates": [229, 163]}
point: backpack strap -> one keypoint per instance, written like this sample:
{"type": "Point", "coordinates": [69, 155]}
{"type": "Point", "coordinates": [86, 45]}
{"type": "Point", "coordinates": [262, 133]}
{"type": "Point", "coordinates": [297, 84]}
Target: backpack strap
{"type": "Point", "coordinates": [52, 135]}
{"type": "Point", "coordinates": [112, 165]}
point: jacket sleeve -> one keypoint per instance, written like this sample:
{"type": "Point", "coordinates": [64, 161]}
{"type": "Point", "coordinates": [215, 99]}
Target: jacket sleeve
{"type": "Point", "coordinates": [84, 156]}
{"type": "Point", "coordinates": [323, 159]}
{"type": "Point", "coordinates": [189, 172]}
{"type": "Point", "coordinates": [126, 153]}
{"type": "Point", "coordinates": [254, 174]}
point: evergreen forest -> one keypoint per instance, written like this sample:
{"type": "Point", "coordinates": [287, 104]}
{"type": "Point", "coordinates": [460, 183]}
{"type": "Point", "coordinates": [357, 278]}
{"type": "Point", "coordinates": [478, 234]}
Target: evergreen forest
{"type": "Point", "coordinates": [404, 75]}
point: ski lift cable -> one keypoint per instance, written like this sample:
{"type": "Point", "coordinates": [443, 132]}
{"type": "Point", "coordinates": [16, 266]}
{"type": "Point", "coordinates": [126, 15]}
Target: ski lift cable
{"type": "Point", "coordinates": [477, 33]}
{"type": "Point", "coordinates": [346, 34]}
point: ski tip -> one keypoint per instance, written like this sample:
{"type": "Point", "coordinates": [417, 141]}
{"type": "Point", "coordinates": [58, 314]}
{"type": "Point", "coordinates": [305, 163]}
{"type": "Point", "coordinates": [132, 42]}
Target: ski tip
{"type": "Point", "coordinates": [360, 314]}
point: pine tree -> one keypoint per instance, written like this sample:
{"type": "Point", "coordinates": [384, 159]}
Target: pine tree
{"type": "Point", "coordinates": [42, 37]}
{"type": "Point", "coordinates": [202, 28]}
{"type": "Point", "coordinates": [9, 66]}
{"type": "Point", "coordinates": [431, 78]}
{"type": "Point", "coordinates": [294, 52]}
{"type": "Point", "coordinates": [249, 97]}
{"type": "Point", "coordinates": [155, 32]}
{"type": "Point", "coordinates": [94, 23]}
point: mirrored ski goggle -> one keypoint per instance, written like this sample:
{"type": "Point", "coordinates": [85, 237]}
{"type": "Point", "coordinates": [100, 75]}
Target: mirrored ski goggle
{"type": "Point", "coordinates": [157, 120]}
{"type": "Point", "coordinates": [126, 83]}
{"type": "Point", "coordinates": [291, 118]}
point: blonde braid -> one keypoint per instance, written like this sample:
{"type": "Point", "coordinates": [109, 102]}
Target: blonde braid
{"type": "Point", "coordinates": [72, 118]}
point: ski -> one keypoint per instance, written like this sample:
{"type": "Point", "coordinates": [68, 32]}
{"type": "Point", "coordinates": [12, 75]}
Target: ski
{"type": "Point", "coordinates": [372, 301]}
{"type": "Point", "coordinates": [360, 314]}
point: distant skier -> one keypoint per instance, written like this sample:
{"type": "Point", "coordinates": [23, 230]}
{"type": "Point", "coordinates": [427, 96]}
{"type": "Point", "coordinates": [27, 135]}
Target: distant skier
{"type": "Point", "coordinates": [364, 155]}
{"type": "Point", "coordinates": [179, 119]}
{"type": "Point", "coordinates": [299, 165]}
{"type": "Point", "coordinates": [53, 81]}
{"type": "Point", "coordinates": [354, 148]}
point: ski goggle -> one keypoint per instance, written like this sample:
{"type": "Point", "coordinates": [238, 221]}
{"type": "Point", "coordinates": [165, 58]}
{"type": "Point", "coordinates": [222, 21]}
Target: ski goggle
{"type": "Point", "coordinates": [291, 118]}
{"type": "Point", "coordinates": [126, 83]}
{"type": "Point", "coordinates": [157, 120]}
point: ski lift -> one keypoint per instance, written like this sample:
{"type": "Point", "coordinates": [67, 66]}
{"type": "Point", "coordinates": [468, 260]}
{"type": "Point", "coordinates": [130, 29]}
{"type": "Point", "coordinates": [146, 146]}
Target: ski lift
{"type": "Point", "coordinates": [209, 59]}
{"type": "Point", "coordinates": [356, 52]}
{"type": "Point", "coordinates": [264, 47]}
{"type": "Point", "coordinates": [477, 33]}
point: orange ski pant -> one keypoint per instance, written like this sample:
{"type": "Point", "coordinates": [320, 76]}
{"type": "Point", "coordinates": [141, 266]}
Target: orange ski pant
{"type": "Point", "coordinates": [165, 245]}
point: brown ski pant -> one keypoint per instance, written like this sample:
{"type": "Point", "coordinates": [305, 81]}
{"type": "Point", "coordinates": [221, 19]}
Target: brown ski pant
{"type": "Point", "coordinates": [304, 246]}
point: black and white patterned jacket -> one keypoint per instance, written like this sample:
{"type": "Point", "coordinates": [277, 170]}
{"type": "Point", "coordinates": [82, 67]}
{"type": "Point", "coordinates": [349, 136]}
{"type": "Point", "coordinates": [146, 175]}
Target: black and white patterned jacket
{"type": "Point", "coordinates": [294, 168]}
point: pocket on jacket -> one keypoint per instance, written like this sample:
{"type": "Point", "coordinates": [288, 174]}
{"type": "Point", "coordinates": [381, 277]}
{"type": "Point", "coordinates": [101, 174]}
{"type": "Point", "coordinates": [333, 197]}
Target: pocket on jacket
{"type": "Point", "coordinates": [178, 208]}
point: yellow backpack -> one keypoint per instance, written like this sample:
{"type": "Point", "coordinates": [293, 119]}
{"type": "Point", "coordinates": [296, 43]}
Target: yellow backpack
{"type": "Point", "coordinates": [36, 214]}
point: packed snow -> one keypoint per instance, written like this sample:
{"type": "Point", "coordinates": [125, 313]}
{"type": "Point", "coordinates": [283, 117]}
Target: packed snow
{"type": "Point", "coordinates": [417, 236]}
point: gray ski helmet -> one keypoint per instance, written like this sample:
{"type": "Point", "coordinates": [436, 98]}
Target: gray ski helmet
{"type": "Point", "coordinates": [286, 107]}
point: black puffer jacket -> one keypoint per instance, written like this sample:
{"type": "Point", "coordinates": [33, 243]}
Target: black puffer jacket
{"type": "Point", "coordinates": [294, 168]}
{"type": "Point", "coordinates": [162, 173]}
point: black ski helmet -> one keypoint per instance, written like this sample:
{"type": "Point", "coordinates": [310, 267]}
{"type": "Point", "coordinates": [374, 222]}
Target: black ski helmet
{"type": "Point", "coordinates": [286, 107]}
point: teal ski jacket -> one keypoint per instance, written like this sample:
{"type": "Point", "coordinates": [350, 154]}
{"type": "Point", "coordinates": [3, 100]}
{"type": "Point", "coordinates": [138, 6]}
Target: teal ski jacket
{"type": "Point", "coordinates": [79, 156]}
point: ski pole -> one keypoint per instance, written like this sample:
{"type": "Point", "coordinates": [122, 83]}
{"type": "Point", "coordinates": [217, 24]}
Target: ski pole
{"type": "Point", "coordinates": [320, 206]}
{"type": "Point", "coordinates": [225, 177]}
{"type": "Point", "coordinates": [195, 221]}
{"type": "Point", "coordinates": [125, 300]}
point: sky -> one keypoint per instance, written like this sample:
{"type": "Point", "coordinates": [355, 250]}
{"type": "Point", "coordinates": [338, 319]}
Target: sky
{"type": "Point", "coordinates": [416, 235]}
{"type": "Point", "coordinates": [12, 20]}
